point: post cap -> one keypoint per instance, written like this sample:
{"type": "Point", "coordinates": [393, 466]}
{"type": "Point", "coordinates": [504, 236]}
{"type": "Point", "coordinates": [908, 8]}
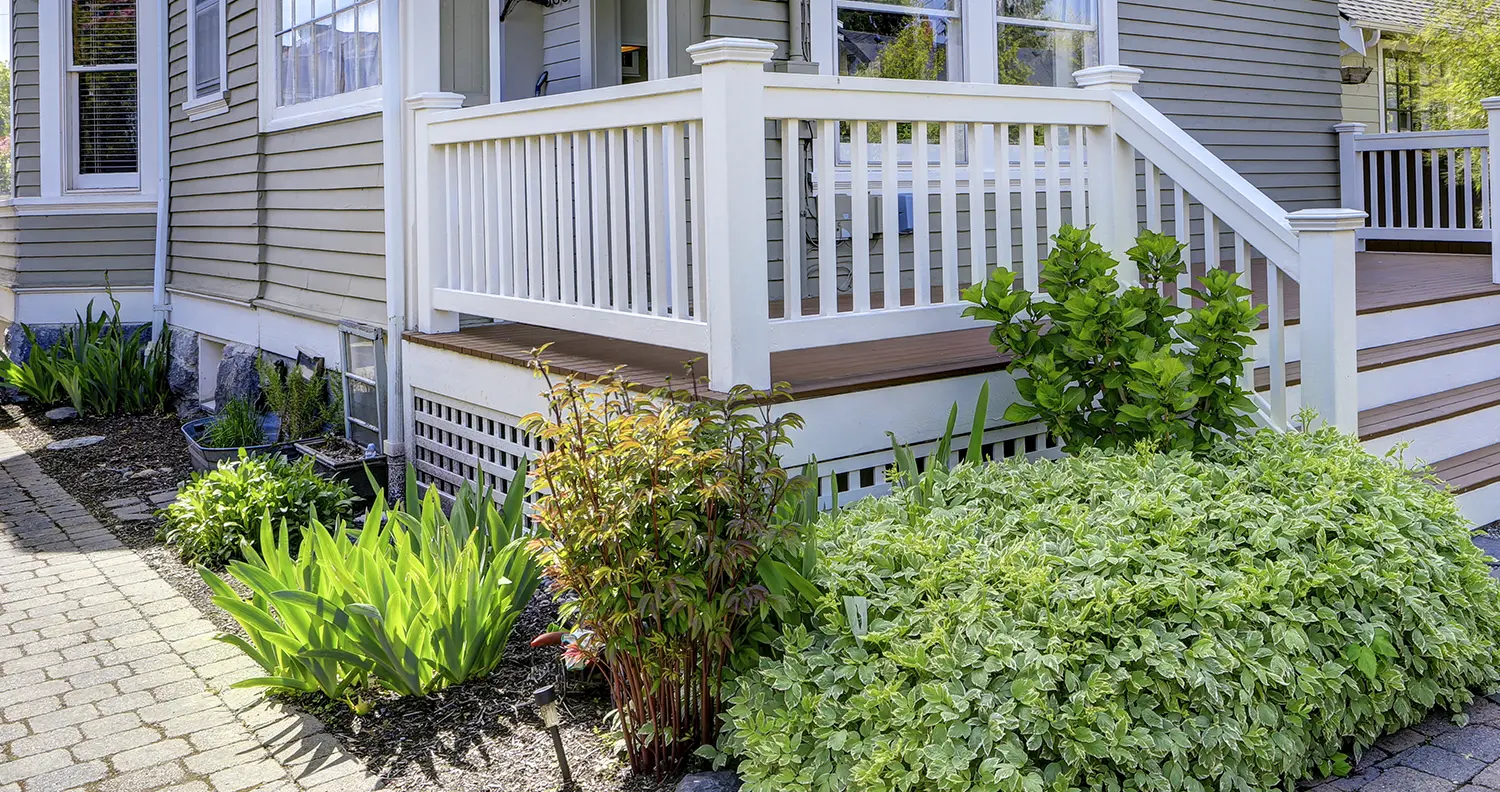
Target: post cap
{"type": "Point", "coordinates": [1492, 103]}
{"type": "Point", "coordinates": [732, 50]}
{"type": "Point", "coordinates": [436, 100]}
{"type": "Point", "coordinates": [1327, 220]}
{"type": "Point", "coordinates": [1350, 128]}
{"type": "Point", "coordinates": [1108, 78]}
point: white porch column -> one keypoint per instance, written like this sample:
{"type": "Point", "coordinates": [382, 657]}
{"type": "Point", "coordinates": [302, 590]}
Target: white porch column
{"type": "Point", "coordinates": [1330, 346]}
{"type": "Point", "coordinates": [429, 214]}
{"type": "Point", "coordinates": [1351, 172]}
{"type": "Point", "coordinates": [1492, 189]}
{"type": "Point", "coordinates": [1111, 173]}
{"type": "Point", "coordinates": [734, 210]}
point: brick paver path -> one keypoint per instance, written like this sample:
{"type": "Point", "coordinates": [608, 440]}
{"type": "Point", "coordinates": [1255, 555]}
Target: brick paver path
{"type": "Point", "coordinates": [110, 680]}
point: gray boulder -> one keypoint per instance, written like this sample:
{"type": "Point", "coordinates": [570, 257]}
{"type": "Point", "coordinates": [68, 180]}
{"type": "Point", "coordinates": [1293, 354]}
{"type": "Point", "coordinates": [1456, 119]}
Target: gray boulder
{"type": "Point", "coordinates": [710, 782]}
{"type": "Point", "coordinates": [237, 376]}
{"type": "Point", "coordinates": [182, 367]}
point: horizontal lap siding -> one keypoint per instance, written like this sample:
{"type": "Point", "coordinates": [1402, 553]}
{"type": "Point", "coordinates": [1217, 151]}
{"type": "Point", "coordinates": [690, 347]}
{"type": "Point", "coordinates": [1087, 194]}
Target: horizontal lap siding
{"type": "Point", "coordinates": [1362, 102]}
{"type": "Point", "coordinates": [84, 249]}
{"type": "Point", "coordinates": [292, 217]}
{"type": "Point", "coordinates": [560, 48]}
{"type": "Point", "coordinates": [323, 219]}
{"type": "Point", "coordinates": [26, 98]}
{"type": "Point", "coordinates": [761, 19]}
{"type": "Point", "coordinates": [1258, 85]}
{"type": "Point", "coordinates": [215, 169]}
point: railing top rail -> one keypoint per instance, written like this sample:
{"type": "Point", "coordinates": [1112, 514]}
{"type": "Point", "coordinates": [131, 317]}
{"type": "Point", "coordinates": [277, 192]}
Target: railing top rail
{"type": "Point", "coordinates": [1413, 141]}
{"type": "Point", "coordinates": [823, 97]}
{"type": "Point", "coordinates": [1231, 197]}
{"type": "Point", "coordinates": [655, 102]}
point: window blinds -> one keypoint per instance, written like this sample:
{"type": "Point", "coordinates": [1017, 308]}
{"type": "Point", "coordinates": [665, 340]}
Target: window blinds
{"type": "Point", "coordinates": [105, 97]}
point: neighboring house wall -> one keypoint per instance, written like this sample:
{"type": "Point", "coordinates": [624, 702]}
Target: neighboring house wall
{"type": "Point", "coordinates": [289, 221]}
{"type": "Point", "coordinates": [1361, 103]}
{"type": "Point", "coordinates": [1257, 84]}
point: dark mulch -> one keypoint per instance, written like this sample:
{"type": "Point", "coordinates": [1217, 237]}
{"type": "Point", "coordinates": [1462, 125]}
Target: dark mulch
{"type": "Point", "coordinates": [483, 736]}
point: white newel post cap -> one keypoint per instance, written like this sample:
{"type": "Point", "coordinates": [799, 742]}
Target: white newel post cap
{"type": "Point", "coordinates": [1108, 78]}
{"type": "Point", "coordinates": [1350, 128]}
{"type": "Point", "coordinates": [437, 100]}
{"type": "Point", "coordinates": [1491, 104]}
{"type": "Point", "coordinates": [1327, 220]}
{"type": "Point", "coordinates": [732, 50]}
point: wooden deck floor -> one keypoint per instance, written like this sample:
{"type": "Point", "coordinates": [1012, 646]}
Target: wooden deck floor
{"type": "Point", "coordinates": [1386, 281]}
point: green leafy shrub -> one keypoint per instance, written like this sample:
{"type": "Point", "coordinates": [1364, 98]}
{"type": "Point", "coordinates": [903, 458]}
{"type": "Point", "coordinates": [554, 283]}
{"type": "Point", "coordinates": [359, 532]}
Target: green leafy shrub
{"type": "Point", "coordinates": [1126, 620]}
{"type": "Point", "coordinates": [309, 404]}
{"type": "Point", "coordinates": [98, 367]}
{"type": "Point", "coordinates": [238, 425]}
{"type": "Point", "coordinates": [667, 527]}
{"type": "Point", "coordinates": [414, 601]}
{"type": "Point", "coordinates": [218, 509]}
{"type": "Point", "coordinates": [1106, 367]}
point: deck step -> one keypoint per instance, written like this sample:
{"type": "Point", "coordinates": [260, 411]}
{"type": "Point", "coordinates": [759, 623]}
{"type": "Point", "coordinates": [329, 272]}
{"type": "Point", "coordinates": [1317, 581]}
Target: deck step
{"type": "Point", "coordinates": [1380, 357]}
{"type": "Point", "coordinates": [1471, 471]}
{"type": "Point", "coordinates": [1422, 411]}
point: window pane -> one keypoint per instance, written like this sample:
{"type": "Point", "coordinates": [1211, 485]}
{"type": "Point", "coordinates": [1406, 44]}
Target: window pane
{"type": "Point", "coordinates": [103, 32]}
{"type": "Point", "coordinates": [364, 404]}
{"type": "Point", "coordinates": [1073, 12]}
{"type": "Point", "coordinates": [362, 357]}
{"type": "Point", "coordinates": [331, 54]}
{"type": "Point", "coordinates": [107, 140]}
{"type": "Point", "coordinates": [936, 5]}
{"type": "Point", "coordinates": [897, 46]}
{"type": "Point", "coordinates": [1044, 56]}
{"type": "Point", "coordinates": [206, 48]}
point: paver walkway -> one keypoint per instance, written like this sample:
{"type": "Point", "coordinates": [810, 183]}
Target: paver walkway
{"type": "Point", "coordinates": [110, 680]}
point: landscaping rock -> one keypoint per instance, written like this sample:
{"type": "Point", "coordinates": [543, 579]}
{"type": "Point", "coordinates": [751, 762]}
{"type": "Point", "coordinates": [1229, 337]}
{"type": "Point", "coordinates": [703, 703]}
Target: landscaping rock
{"type": "Point", "coordinates": [710, 782]}
{"type": "Point", "coordinates": [75, 442]}
{"type": "Point", "coordinates": [62, 414]}
{"type": "Point", "coordinates": [182, 367]}
{"type": "Point", "coordinates": [237, 376]}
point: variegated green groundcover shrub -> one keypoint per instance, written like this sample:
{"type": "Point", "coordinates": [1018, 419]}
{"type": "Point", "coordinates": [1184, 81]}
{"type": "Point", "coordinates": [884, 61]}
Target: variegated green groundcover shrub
{"type": "Point", "coordinates": [1126, 620]}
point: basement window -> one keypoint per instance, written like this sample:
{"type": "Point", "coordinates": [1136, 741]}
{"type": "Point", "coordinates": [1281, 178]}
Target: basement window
{"type": "Point", "coordinates": [363, 353]}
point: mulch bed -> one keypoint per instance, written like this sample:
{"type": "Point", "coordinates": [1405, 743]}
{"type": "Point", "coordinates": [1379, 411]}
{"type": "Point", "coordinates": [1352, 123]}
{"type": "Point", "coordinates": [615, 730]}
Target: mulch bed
{"type": "Point", "coordinates": [481, 736]}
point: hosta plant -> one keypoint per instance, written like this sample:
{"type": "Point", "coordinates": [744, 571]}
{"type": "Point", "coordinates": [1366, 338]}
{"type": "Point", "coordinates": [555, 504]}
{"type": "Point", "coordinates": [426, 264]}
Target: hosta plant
{"type": "Point", "coordinates": [218, 509]}
{"type": "Point", "coordinates": [1126, 620]}
{"type": "Point", "coordinates": [413, 601]}
{"type": "Point", "coordinates": [669, 529]}
{"type": "Point", "coordinates": [1105, 366]}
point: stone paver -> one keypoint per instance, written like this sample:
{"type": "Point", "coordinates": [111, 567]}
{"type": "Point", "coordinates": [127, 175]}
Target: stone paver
{"type": "Point", "coordinates": [109, 679]}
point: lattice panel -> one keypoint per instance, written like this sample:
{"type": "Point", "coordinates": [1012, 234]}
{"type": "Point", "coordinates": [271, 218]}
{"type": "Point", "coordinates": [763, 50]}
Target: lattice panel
{"type": "Point", "coordinates": [864, 475]}
{"type": "Point", "coordinates": [456, 442]}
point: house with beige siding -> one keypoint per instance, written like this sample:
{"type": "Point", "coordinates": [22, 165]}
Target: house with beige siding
{"type": "Point", "coordinates": [420, 192]}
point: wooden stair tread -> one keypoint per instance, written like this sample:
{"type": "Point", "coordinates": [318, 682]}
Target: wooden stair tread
{"type": "Point", "coordinates": [1423, 410]}
{"type": "Point", "coordinates": [1398, 353]}
{"type": "Point", "coordinates": [1472, 470]}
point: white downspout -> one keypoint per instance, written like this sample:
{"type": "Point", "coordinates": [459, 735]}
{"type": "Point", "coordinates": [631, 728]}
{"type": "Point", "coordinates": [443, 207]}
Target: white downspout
{"type": "Point", "coordinates": [394, 127]}
{"type": "Point", "coordinates": [159, 307]}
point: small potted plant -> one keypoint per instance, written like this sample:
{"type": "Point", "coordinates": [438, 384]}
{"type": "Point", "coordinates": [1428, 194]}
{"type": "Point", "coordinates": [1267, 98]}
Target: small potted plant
{"type": "Point", "coordinates": [302, 397]}
{"type": "Point", "coordinates": [237, 426]}
{"type": "Point", "coordinates": [341, 459]}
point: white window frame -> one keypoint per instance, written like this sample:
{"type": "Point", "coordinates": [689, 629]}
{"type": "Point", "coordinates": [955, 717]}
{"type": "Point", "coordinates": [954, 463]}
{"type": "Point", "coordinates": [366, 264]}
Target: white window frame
{"type": "Point", "coordinates": [60, 181]}
{"type": "Point", "coordinates": [199, 106]}
{"type": "Point", "coordinates": [274, 118]}
{"type": "Point", "coordinates": [978, 22]}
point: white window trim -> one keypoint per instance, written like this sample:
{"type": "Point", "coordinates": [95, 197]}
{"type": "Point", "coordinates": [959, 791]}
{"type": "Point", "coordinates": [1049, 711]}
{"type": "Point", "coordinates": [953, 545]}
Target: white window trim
{"type": "Point", "coordinates": [55, 126]}
{"type": "Point", "coordinates": [210, 104]}
{"type": "Point", "coordinates": [273, 118]}
{"type": "Point", "coordinates": [979, 50]}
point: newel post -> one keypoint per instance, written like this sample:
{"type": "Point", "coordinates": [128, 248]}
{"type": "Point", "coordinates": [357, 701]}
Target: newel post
{"type": "Point", "coordinates": [734, 210]}
{"type": "Point", "coordinates": [429, 232]}
{"type": "Point", "coordinates": [1492, 107]}
{"type": "Point", "coordinates": [1351, 171]}
{"type": "Point", "coordinates": [1330, 346]}
{"type": "Point", "coordinates": [1111, 167]}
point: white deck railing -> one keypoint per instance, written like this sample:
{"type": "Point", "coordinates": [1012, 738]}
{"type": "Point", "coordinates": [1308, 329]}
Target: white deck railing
{"type": "Point", "coordinates": [742, 212]}
{"type": "Point", "coordinates": [1434, 186]}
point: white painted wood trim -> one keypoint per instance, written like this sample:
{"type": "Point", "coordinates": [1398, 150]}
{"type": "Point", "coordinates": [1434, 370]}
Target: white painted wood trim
{"type": "Point", "coordinates": [820, 331]}
{"type": "Point", "coordinates": [215, 103]}
{"type": "Point", "coordinates": [643, 328]}
{"type": "Point", "coordinates": [1420, 141]}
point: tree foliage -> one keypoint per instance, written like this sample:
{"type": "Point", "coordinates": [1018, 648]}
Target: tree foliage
{"type": "Point", "coordinates": [1461, 42]}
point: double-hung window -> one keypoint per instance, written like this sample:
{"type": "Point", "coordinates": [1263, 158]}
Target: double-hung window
{"type": "Point", "coordinates": [206, 57]}
{"type": "Point", "coordinates": [102, 93]}
{"type": "Point", "coordinates": [1042, 42]}
{"type": "Point", "coordinates": [325, 49]}
{"type": "Point", "coordinates": [910, 40]}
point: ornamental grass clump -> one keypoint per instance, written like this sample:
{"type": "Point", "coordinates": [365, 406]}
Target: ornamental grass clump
{"type": "Point", "coordinates": [667, 527]}
{"type": "Point", "coordinates": [1126, 620]}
